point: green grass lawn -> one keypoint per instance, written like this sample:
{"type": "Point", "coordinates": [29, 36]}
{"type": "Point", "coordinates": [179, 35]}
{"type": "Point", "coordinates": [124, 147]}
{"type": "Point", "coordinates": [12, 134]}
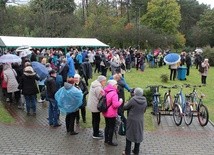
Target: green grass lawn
{"type": "Point", "coordinates": [5, 117]}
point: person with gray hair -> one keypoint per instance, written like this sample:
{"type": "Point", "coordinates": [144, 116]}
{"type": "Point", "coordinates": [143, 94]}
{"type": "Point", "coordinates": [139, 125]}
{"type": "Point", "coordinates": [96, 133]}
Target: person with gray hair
{"type": "Point", "coordinates": [204, 74]}
{"type": "Point", "coordinates": [136, 107]}
{"type": "Point", "coordinates": [95, 93]}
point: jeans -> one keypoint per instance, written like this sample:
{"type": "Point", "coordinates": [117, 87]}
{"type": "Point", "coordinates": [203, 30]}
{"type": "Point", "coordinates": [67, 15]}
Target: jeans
{"type": "Point", "coordinates": [96, 123]}
{"type": "Point", "coordinates": [30, 102]}
{"type": "Point", "coordinates": [109, 129]}
{"type": "Point", "coordinates": [129, 145]}
{"type": "Point", "coordinates": [53, 112]}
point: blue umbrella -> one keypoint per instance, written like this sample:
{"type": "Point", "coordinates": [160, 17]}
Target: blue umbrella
{"type": "Point", "coordinates": [40, 69]}
{"type": "Point", "coordinates": [69, 100]}
{"type": "Point", "coordinates": [172, 58]}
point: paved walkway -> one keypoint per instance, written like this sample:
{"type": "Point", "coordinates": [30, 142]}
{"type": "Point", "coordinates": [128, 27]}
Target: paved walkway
{"type": "Point", "coordinates": [32, 135]}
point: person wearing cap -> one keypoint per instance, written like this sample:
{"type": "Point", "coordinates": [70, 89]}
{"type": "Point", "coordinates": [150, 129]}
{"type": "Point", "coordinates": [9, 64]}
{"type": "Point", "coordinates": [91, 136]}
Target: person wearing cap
{"type": "Point", "coordinates": [53, 111]}
{"type": "Point", "coordinates": [80, 84]}
{"type": "Point", "coordinates": [95, 93]}
{"type": "Point", "coordinates": [113, 103]}
{"type": "Point", "coordinates": [29, 88]}
{"type": "Point", "coordinates": [136, 107]}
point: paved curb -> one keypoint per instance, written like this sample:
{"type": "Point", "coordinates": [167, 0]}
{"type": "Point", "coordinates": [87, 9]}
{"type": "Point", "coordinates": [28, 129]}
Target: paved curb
{"type": "Point", "coordinates": [211, 123]}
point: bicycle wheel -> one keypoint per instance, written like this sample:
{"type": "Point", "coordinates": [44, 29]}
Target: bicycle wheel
{"type": "Point", "coordinates": [177, 115]}
{"type": "Point", "coordinates": [203, 115]}
{"type": "Point", "coordinates": [158, 115]}
{"type": "Point", "coordinates": [188, 115]}
{"type": "Point", "coordinates": [166, 102]}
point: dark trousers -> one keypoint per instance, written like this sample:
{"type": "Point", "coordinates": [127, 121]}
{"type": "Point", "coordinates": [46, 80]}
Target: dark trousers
{"type": "Point", "coordinates": [97, 68]}
{"type": "Point", "coordinates": [188, 67]}
{"type": "Point", "coordinates": [86, 80]}
{"type": "Point", "coordinates": [109, 129]}
{"type": "Point", "coordinates": [17, 96]}
{"type": "Point", "coordinates": [96, 123]}
{"type": "Point", "coordinates": [103, 70]}
{"type": "Point", "coordinates": [129, 145]}
{"type": "Point", "coordinates": [203, 79]}
{"type": "Point", "coordinates": [69, 121]}
{"type": "Point", "coordinates": [41, 87]}
{"type": "Point", "coordinates": [173, 74]}
{"type": "Point", "coordinates": [83, 114]}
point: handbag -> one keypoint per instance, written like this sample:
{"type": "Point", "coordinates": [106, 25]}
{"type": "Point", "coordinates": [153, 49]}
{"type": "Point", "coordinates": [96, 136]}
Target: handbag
{"type": "Point", "coordinates": [122, 129]}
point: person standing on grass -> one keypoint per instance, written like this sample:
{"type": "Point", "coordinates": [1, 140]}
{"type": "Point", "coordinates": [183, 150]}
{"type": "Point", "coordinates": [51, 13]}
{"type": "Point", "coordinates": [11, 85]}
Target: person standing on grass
{"type": "Point", "coordinates": [204, 74]}
{"type": "Point", "coordinates": [136, 108]}
{"type": "Point", "coordinates": [95, 93]}
{"type": "Point", "coordinates": [80, 84]}
{"type": "Point", "coordinates": [173, 71]}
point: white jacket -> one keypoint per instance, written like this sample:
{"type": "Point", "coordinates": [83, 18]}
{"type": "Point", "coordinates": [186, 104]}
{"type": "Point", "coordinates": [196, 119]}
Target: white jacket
{"type": "Point", "coordinates": [95, 94]}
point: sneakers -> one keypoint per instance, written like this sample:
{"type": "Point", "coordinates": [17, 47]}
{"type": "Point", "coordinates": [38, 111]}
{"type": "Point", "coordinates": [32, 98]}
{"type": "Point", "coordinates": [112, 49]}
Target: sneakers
{"type": "Point", "coordinates": [100, 136]}
{"type": "Point", "coordinates": [57, 125]}
{"type": "Point", "coordinates": [7, 100]}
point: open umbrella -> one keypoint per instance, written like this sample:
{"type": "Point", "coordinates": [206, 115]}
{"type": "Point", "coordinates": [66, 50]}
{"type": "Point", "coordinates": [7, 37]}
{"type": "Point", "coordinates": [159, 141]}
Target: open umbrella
{"type": "Point", "coordinates": [172, 58]}
{"type": "Point", "coordinates": [40, 69]}
{"type": "Point", "coordinates": [10, 58]}
{"type": "Point", "coordinates": [198, 50]}
{"type": "Point", "coordinates": [24, 53]}
{"type": "Point", "coordinates": [69, 100]}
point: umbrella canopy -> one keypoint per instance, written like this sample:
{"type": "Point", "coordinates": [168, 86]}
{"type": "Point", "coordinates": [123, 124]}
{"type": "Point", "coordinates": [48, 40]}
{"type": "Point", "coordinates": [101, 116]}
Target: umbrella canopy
{"type": "Point", "coordinates": [40, 69]}
{"type": "Point", "coordinates": [23, 48]}
{"type": "Point", "coordinates": [69, 100]}
{"type": "Point", "coordinates": [172, 58]}
{"type": "Point", "coordinates": [24, 53]}
{"type": "Point", "coordinates": [198, 50]}
{"type": "Point", "coordinates": [10, 58]}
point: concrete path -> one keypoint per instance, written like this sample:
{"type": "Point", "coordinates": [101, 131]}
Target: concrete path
{"type": "Point", "coordinates": [33, 136]}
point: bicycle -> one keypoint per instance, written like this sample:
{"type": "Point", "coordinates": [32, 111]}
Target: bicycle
{"type": "Point", "coordinates": [156, 101]}
{"type": "Point", "coordinates": [167, 104]}
{"type": "Point", "coordinates": [182, 109]}
{"type": "Point", "coordinates": [197, 102]}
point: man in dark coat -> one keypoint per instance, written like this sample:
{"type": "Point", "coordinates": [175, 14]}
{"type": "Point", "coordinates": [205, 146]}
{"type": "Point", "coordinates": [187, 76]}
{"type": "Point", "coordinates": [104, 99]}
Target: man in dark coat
{"type": "Point", "coordinates": [53, 111]}
{"type": "Point", "coordinates": [86, 70]}
{"type": "Point", "coordinates": [188, 63]}
{"type": "Point", "coordinates": [135, 121]}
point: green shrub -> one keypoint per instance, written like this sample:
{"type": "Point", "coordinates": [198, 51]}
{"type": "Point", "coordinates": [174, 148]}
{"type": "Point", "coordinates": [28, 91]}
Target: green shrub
{"type": "Point", "coordinates": [164, 78]}
{"type": "Point", "coordinates": [148, 94]}
{"type": "Point", "coordinates": [209, 53]}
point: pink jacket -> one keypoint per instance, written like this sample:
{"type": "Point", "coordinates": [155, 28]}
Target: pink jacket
{"type": "Point", "coordinates": [112, 98]}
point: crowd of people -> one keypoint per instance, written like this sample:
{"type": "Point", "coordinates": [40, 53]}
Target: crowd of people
{"type": "Point", "coordinates": [66, 87]}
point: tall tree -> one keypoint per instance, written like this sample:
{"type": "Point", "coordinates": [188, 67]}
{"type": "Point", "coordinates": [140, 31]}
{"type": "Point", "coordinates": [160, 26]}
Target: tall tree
{"type": "Point", "coordinates": [163, 15]}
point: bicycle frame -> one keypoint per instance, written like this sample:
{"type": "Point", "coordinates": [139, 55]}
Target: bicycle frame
{"type": "Point", "coordinates": [180, 100]}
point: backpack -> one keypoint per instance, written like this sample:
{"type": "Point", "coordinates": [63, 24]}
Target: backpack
{"type": "Point", "coordinates": [102, 104]}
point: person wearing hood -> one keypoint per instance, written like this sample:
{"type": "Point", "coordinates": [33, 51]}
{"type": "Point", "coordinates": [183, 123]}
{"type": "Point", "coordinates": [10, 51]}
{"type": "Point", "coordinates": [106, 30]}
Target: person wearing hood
{"type": "Point", "coordinates": [135, 121]}
{"type": "Point", "coordinates": [69, 99]}
{"type": "Point", "coordinates": [113, 103]}
{"type": "Point", "coordinates": [70, 63]}
{"type": "Point", "coordinates": [95, 93]}
{"type": "Point", "coordinates": [29, 88]}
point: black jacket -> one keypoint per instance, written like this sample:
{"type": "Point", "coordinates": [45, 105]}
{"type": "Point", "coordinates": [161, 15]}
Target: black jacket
{"type": "Point", "coordinates": [28, 84]}
{"type": "Point", "coordinates": [64, 72]}
{"type": "Point", "coordinates": [86, 70]}
{"type": "Point", "coordinates": [51, 87]}
{"type": "Point", "coordinates": [82, 86]}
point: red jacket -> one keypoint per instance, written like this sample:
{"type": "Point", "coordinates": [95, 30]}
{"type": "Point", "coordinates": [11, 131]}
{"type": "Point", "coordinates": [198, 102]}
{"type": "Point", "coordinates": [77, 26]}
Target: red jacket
{"type": "Point", "coordinates": [3, 83]}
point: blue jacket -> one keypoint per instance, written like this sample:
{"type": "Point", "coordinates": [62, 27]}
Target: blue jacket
{"type": "Point", "coordinates": [124, 81]}
{"type": "Point", "coordinates": [70, 62]}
